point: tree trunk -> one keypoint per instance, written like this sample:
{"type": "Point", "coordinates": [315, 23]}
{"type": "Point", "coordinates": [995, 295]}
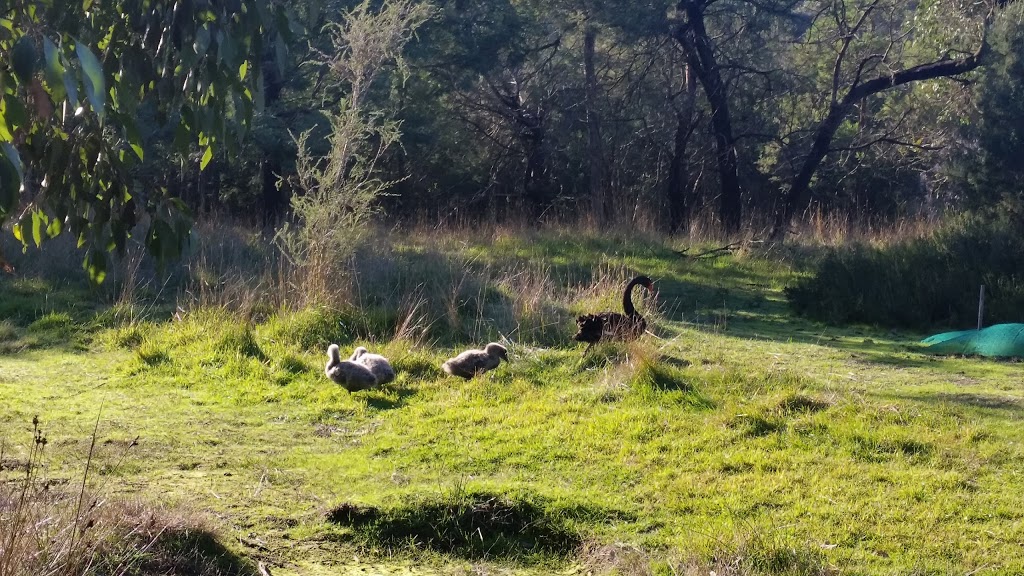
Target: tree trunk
{"type": "Point", "coordinates": [678, 180]}
{"type": "Point", "coordinates": [275, 200]}
{"type": "Point", "coordinates": [600, 202]}
{"type": "Point", "coordinates": [797, 196]}
{"type": "Point", "coordinates": [679, 194]}
{"type": "Point", "coordinates": [693, 36]}
{"type": "Point", "coordinates": [536, 187]}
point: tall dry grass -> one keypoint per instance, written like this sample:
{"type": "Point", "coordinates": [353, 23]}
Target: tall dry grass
{"type": "Point", "coordinates": [420, 285]}
{"type": "Point", "coordinates": [425, 283]}
{"type": "Point", "coordinates": [59, 527]}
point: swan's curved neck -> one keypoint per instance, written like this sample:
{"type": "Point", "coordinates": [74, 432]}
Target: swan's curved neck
{"type": "Point", "coordinates": [627, 298]}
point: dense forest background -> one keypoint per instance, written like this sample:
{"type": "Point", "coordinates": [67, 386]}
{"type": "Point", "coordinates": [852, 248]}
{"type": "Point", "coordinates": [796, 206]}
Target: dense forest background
{"type": "Point", "coordinates": [567, 109]}
{"type": "Point", "coordinates": [691, 115]}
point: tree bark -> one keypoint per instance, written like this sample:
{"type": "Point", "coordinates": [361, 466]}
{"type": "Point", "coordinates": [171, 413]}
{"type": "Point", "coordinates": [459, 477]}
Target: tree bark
{"type": "Point", "coordinates": [679, 194]}
{"type": "Point", "coordinates": [692, 35]}
{"type": "Point", "coordinates": [797, 195]}
{"type": "Point", "coordinates": [600, 202]}
{"type": "Point", "coordinates": [536, 185]}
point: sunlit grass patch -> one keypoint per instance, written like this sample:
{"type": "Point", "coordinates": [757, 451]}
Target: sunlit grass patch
{"type": "Point", "coordinates": [239, 339]}
{"type": "Point", "coordinates": [734, 438]}
{"type": "Point", "coordinates": [311, 328]}
{"type": "Point", "coordinates": [152, 353]}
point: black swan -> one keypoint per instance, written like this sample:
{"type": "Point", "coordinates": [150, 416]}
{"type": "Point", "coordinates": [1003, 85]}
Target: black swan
{"type": "Point", "coordinates": [377, 364]}
{"type": "Point", "coordinates": [473, 362]}
{"type": "Point", "coordinates": [593, 328]}
{"type": "Point", "coordinates": [351, 375]}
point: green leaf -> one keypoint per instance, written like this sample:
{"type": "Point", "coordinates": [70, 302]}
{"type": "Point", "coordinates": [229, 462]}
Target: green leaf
{"type": "Point", "coordinates": [207, 156]}
{"type": "Point", "coordinates": [54, 71]}
{"type": "Point", "coordinates": [5, 129]}
{"type": "Point", "coordinates": [53, 230]}
{"type": "Point", "coordinates": [17, 115]}
{"type": "Point", "coordinates": [287, 25]}
{"type": "Point", "coordinates": [23, 59]}
{"type": "Point", "coordinates": [71, 86]}
{"type": "Point", "coordinates": [227, 50]}
{"type": "Point", "coordinates": [96, 264]}
{"type": "Point", "coordinates": [95, 84]}
{"type": "Point", "coordinates": [182, 137]}
{"type": "Point", "coordinates": [15, 159]}
{"type": "Point", "coordinates": [263, 8]}
{"type": "Point", "coordinates": [281, 55]}
{"type": "Point", "coordinates": [202, 42]}
{"type": "Point", "coordinates": [260, 97]}
{"type": "Point", "coordinates": [243, 69]}
{"type": "Point", "coordinates": [39, 222]}
{"type": "Point", "coordinates": [131, 131]}
{"type": "Point", "coordinates": [10, 184]}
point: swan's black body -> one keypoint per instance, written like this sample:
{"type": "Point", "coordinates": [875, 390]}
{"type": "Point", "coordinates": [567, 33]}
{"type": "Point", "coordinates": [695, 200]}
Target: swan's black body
{"type": "Point", "coordinates": [607, 326]}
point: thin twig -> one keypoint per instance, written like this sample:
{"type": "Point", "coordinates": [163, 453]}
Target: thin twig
{"type": "Point", "coordinates": [709, 253]}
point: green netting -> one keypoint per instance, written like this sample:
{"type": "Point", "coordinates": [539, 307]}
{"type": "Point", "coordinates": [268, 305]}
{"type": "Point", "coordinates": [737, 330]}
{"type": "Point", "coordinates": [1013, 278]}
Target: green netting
{"type": "Point", "coordinates": [1000, 340]}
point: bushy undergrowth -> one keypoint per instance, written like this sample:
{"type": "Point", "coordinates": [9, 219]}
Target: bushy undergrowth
{"type": "Point", "coordinates": [921, 283]}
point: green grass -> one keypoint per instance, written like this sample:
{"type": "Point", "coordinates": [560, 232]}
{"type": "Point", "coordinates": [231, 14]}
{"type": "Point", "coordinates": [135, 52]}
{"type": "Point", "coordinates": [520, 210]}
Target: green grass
{"type": "Point", "coordinates": [739, 438]}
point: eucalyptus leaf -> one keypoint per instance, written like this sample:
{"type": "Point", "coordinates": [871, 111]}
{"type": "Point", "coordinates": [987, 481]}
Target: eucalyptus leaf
{"type": "Point", "coordinates": [54, 71]}
{"type": "Point", "coordinates": [71, 87]}
{"type": "Point", "coordinates": [95, 84]}
{"type": "Point", "coordinates": [207, 156]}
{"type": "Point", "coordinates": [15, 159]}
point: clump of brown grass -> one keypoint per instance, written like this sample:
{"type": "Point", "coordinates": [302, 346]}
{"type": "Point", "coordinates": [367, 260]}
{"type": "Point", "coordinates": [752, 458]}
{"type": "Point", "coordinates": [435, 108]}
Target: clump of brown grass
{"type": "Point", "coordinates": [48, 527]}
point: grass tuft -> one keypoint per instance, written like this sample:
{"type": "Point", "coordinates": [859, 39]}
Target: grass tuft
{"type": "Point", "coordinates": [292, 364]}
{"type": "Point", "coordinates": [313, 328]}
{"type": "Point", "coordinates": [240, 339]}
{"type": "Point", "coordinates": [470, 525]}
{"type": "Point", "coordinates": [8, 332]}
{"type": "Point", "coordinates": [129, 337]}
{"type": "Point", "coordinates": [800, 403]}
{"type": "Point", "coordinates": [152, 353]}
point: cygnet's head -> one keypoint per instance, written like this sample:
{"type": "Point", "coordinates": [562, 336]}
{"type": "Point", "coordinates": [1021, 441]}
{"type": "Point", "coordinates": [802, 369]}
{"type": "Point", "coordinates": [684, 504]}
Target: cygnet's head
{"type": "Point", "coordinates": [333, 352]}
{"type": "Point", "coordinates": [359, 351]}
{"type": "Point", "coordinates": [495, 349]}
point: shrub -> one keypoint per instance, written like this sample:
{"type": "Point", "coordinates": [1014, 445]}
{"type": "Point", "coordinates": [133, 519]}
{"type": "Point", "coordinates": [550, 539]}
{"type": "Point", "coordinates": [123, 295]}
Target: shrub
{"type": "Point", "coordinates": [7, 331]}
{"type": "Point", "coordinates": [313, 328]}
{"type": "Point", "coordinates": [922, 283]}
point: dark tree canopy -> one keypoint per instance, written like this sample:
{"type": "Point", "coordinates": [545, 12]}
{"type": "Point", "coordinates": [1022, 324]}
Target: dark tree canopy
{"type": "Point", "coordinates": [77, 79]}
{"type": "Point", "coordinates": [122, 117]}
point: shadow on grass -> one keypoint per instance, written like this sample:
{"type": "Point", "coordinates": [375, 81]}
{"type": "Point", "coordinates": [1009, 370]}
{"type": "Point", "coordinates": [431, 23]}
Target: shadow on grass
{"type": "Point", "coordinates": [473, 526]}
{"type": "Point", "coordinates": [191, 551]}
{"type": "Point", "coordinates": [389, 398]}
{"type": "Point", "coordinates": [972, 400]}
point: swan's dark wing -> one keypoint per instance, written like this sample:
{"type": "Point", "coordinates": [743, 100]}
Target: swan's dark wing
{"type": "Point", "coordinates": [609, 326]}
{"type": "Point", "coordinates": [590, 327]}
{"type": "Point", "coordinates": [620, 327]}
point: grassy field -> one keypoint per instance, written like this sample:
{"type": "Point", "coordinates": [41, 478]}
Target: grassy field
{"type": "Point", "coordinates": [736, 438]}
